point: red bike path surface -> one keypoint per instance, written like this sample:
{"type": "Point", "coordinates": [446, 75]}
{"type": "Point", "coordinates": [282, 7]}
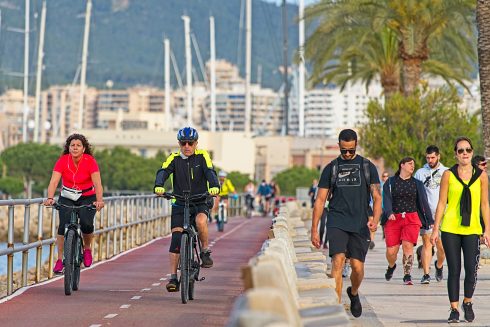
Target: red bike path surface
{"type": "Point", "coordinates": [130, 289]}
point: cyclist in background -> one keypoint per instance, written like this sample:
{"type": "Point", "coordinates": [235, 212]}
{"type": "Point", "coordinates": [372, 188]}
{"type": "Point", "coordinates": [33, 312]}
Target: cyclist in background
{"type": "Point", "coordinates": [249, 190]}
{"type": "Point", "coordinates": [81, 185]}
{"type": "Point", "coordinates": [226, 188]}
{"type": "Point", "coordinates": [264, 192]}
{"type": "Point", "coordinates": [192, 170]}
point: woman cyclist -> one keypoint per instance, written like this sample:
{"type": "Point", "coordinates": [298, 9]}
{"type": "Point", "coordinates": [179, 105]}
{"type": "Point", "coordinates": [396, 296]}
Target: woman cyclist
{"type": "Point", "coordinates": [81, 185]}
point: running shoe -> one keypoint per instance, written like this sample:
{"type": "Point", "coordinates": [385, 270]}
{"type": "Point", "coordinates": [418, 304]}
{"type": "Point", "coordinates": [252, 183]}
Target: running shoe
{"type": "Point", "coordinates": [453, 316]}
{"type": "Point", "coordinates": [355, 303]}
{"type": "Point", "coordinates": [389, 272]}
{"type": "Point", "coordinates": [58, 267]}
{"type": "Point", "coordinates": [371, 245]}
{"type": "Point", "coordinates": [439, 273]}
{"type": "Point", "coordinates": [87, 257]}
{"type": "Point", "coordinates": [207, 262]}
{"type": "Point", "coordinates": [346, 270]}
{"type": "Point", "coordinates": [469, 315]}
{"type": "Point", "coordinates": [407, 279]}
{"type": "Point", "coordinates": [425, 279]}
{"type": "Point", "coordinates": [173, 285]}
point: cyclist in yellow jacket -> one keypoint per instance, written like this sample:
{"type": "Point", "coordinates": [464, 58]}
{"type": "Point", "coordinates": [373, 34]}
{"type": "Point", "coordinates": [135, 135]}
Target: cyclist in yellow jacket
{"type": "Point", "coordinates": [226, 188]}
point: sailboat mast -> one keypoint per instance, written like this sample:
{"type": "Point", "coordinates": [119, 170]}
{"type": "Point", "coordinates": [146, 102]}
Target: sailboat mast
{"type": "Point", "coordinates": [83, 75]}
{"type": "Point", "coordinates": [301, 82]}
{"type": "Point", "coordinates": [40, 56]}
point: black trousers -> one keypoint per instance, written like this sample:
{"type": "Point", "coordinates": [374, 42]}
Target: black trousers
{"type": "Point", "coordinates": [453, 244]}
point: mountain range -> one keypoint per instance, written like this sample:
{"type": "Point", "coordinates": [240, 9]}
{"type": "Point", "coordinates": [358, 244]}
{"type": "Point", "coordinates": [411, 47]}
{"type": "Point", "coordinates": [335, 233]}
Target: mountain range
{"type": "Point", "coordinates": [126, 39]}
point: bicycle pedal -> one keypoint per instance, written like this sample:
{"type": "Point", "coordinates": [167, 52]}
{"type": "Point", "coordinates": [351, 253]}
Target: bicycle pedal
{"type": "Point", "coordinates": [201, 279]}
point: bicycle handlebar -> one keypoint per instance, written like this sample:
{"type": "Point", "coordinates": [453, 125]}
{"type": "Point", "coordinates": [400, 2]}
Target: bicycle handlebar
{"type": "Point", "coordinates": [58, 205]}
{"type": "Point", "coordinates": [200, 196]}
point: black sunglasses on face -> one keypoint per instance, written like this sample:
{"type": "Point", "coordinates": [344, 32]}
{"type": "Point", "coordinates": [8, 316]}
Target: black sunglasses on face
{"type": "Point", "coordinates": [484, 164]}
{"type": "Point", "coordinates": [183, 143]}
{"type": "Point", "coordinates": [468, 150]}
{"type": "Point", "coordinates": [344, 151]}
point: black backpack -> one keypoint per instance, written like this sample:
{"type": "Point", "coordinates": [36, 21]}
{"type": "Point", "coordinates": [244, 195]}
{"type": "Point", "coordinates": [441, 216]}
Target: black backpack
{"type": "Point", "coordinates": [334, 173]}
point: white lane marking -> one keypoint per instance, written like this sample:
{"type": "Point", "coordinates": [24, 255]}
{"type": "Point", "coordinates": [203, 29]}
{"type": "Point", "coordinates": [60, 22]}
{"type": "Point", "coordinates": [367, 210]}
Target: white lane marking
{"type": "Point", "coordinates": [167, 275]}
{"type": "Point", "coordinates": [231, 231]}
{"type": "Point", "coordinates": [95, 325]}
{"type": "Point", "coordinates": [125, 306]}
{"type": "Point", "coordinates": [23, 289]}
{"type": "Point", "coordinates": [145, 289]}
{"type": "Point", "coordinates": [136, 297]}
{"type": "Point", "coordinates": [123, 290]}
{"type": "Point", "coordinates": [155, 284]}
{"type": "Point", "coordinates": [110, 315]}
{"type": "Point", "coordinates": [162, 279]}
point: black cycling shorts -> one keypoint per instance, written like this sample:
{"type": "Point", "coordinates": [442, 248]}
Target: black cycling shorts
{"type": "Point", "coordinates": [86, 215]}
{"type": "Point", "coordinates": [354, 245]}
{"type": "Point", "coordinates": [177, 217]}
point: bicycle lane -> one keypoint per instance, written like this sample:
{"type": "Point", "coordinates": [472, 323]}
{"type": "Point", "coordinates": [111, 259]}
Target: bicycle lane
{"type": "Point", "coordinates": [130, 289]}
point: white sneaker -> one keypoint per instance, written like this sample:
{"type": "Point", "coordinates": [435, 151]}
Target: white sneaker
{"type": "Point", "coordinates": [346, 270]}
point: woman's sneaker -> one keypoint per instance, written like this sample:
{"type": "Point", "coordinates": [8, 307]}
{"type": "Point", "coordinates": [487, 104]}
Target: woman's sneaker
{"type": "Point", "coordinates": [453, 316]}
{"type": "Point", "coordinates": [407, 279]}
{"type": "Point", "coordinates": [87, 257]}
{"type": "Point", "coordinates": [469, 315]}
{"type": "Point", "coordinates": [58, 267]}
{"type": "Point", "coordinates": [346, 270]}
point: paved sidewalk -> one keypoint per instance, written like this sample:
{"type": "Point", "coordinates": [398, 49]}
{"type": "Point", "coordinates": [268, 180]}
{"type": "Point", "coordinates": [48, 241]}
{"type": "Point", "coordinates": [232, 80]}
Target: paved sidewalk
{"type": "Point", "coordinates": [394, 304]}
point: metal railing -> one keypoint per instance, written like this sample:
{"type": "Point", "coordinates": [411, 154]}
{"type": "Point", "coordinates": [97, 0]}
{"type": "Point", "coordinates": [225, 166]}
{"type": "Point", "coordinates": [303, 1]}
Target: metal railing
{"type": "Point", "coordinates": [124, 223]}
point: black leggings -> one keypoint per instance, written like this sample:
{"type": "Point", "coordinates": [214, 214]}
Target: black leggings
{"type": "Point", "coordinates": [453, 243]}
{"type": "Point", "coordinates": [86, 215]}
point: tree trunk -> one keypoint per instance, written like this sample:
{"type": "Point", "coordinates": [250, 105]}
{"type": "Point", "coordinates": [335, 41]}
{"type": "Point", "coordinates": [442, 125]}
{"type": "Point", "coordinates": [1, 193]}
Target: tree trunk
{"type": "Point", "coordinates": [483, 21]}
{"type": "Point", "coordinates": [412, 69]}
{"type": "Point", "coordinates": [390, 84]}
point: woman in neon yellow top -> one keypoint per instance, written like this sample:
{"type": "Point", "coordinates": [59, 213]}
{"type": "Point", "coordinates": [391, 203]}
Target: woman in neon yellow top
{"type": "Point", "coordinates": [463, 195]}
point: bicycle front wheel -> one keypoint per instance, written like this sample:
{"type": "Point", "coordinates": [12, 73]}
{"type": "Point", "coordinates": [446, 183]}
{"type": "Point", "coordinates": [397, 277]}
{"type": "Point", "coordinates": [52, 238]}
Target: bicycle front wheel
{"type": "Point", "coordinates": [77, 263]}
{"type": "Point", "coordinates": [69, 254]}
{"type": "Point", "coordinates": [185, 267]}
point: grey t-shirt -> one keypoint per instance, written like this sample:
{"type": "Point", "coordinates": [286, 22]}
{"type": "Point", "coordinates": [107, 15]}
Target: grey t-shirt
{"type": "Point", "coordinates": [432, 183]}
{"type": "Point", "coordinates": [348, 207]}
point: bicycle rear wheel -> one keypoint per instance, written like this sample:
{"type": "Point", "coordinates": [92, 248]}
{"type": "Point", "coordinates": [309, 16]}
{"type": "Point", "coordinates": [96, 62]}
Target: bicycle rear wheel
{"type": "Point", "coordinates": [69, 251]}
{"type": "Point", "coordinates": [185, 267]}
{"type": "Point", "coordinates": [77, 263]}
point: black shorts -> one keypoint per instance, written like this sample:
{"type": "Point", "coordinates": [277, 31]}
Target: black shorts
{"type": "Point", "coordinates": [354, 245]}
{"type": "Point", "coordinates": [86, 215]}
{"type": "Point", "coordinates": [177, 217]}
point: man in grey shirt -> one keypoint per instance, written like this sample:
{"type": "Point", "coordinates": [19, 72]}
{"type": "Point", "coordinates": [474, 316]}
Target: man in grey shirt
{"type": "Point", "coordinates": [430, 174]}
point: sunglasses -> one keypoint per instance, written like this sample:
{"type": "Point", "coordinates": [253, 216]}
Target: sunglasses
{"type": "Point", "coordinates": [384, 176]}
{"type": "Point", "coordinates": [344, 151]}
{"type": "Point", "coordinates": [183, 143]}
{"type": "Point", "coordinates": [462, 150]}
{"type": "Point", "coordinates": [484, 164]}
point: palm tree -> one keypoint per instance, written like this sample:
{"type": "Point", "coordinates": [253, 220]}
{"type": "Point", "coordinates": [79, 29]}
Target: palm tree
{"type": "Point", "coordinates": [421, 25]}
{"type": "Point", "coordinates": [483, 21]}
{"type": "Point", "coordinates": [433, 36]}
{"type": "Point", "coordinates": [374, 56]}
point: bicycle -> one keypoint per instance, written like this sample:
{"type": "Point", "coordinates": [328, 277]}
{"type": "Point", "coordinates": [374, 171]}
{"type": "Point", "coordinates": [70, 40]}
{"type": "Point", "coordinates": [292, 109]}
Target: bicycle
{"type": "Point", "coordinates": [73, 247]}
{"type": "Point", "coordinates": [249, 205]}
{"type": "Point", "coordinates": [221, 217]}
{"type": "Point", "coordinates": [190, 245]}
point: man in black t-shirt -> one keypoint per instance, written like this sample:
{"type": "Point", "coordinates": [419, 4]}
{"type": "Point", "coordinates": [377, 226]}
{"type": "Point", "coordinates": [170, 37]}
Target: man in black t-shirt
{"type": "Point", "coordinates": [348, 225]}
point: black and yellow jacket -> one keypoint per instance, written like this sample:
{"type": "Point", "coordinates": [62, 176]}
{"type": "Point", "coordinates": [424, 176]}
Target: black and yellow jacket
{"type": "Point", "coordinates": [192, 173]}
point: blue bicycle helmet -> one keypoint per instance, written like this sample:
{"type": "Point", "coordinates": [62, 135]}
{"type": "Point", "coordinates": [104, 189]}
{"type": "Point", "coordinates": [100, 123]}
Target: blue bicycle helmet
{"type": "Point", "coordinates": [187, 134]}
